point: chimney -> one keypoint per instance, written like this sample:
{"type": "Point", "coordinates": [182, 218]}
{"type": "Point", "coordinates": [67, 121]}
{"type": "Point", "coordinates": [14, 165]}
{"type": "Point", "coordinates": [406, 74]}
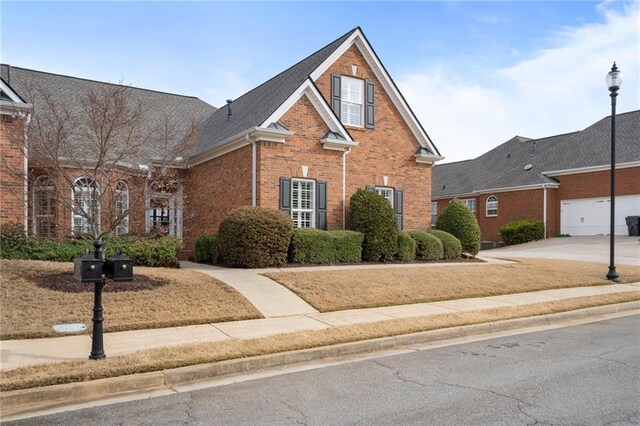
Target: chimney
{"type": "Point", "coordinates": [229, 113]}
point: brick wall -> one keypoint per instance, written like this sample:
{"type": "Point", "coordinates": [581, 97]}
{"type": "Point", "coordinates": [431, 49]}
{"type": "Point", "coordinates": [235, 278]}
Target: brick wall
{"type": "Point", "coordinates": [11, 168]}
{"type": "Point", "coordinates": [212, 189]}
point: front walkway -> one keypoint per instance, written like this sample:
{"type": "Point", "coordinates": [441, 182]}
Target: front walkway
{"type": "Point", "coordinates": [18, 353]}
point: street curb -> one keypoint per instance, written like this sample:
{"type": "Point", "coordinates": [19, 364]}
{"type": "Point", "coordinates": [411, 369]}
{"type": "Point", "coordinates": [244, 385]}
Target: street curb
{"type": "Point", "coordinates": [23, 401]}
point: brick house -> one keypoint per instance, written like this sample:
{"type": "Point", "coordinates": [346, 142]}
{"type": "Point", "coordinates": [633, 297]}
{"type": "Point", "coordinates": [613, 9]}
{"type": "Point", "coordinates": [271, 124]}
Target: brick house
{"type": "Point", "coordinates": [302, 142]}
{"type": "Point", "coordinates": [562, 180]}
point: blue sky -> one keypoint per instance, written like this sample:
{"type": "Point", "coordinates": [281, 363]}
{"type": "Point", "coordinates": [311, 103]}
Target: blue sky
{"type": "Point", "coordinates": [475, 73]}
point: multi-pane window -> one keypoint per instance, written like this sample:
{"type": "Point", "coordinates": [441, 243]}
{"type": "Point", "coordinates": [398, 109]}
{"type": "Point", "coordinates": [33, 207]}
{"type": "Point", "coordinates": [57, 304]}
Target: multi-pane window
{"type": "Point", "coordinates": [492, 206]}
{"type": "Point", "coordinates": [122, 206]}
{"type": "Point", "coordinates": [44, 207]}
{"type": "Point", "coordinates": [387, 193]}
{"type": "Point", "coordinates": [86, 206]}
{"type": "Point", "coordinates": [434, 212]}
{"type": "Point", "coordinates": [471, 203]}
{"type": "Point", "coordinates": [351, 101]}
{"type": "Point", "coordinates": [164, 211]}
{"type": "Point", "coordinates": [302, 203]}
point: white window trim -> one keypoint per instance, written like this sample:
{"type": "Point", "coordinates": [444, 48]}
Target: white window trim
{"type": "Point", "coordinates": [494, 206]}
{"type": "Point", "coordinates": [466, 202]}
{"type": "Point", "coordinates": [380, 189]}
{"type": "Point", "coordinates": [36, 188]}
{"type": "Point", "coordinates": [313, 203]}
{"type": "Point", "coordinates": [344, 78]}
{"type": "Point", "coordinates": [123, 226]}
{"type": "Point", "coordinates": [73, 204]}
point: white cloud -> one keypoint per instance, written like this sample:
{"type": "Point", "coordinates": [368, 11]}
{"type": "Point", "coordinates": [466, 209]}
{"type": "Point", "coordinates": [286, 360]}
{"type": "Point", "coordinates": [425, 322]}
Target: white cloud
{"type": "Point", "coordinates": [555, 90]}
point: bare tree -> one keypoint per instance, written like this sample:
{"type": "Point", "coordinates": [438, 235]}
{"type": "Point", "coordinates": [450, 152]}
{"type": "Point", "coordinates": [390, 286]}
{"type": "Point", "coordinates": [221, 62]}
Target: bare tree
{"type": "Point", "coordinates": [91, 150]}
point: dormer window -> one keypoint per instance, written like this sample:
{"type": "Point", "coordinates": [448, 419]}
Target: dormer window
{"type": "Point", "coordinates": [351, 101]}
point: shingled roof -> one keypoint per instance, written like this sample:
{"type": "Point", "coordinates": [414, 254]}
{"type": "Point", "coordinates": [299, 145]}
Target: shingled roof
{"type": "Point", "coordinates": [504, 166]}
{"type": "Point", "coordinates": [255, 106]}
{"type": "Point", "coordinates": [68, 91]}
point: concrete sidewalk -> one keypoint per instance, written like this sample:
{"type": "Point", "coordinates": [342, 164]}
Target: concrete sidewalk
{"type": "Point", "coordinates": [18, 353]}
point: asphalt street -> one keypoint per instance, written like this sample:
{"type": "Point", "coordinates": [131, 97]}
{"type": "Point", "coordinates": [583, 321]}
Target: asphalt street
{"type": "Point", "coordinates": [580, 375]}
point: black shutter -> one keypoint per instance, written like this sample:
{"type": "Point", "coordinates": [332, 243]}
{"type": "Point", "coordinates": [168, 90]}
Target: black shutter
{"type": "Point", "coordinates": [399, 207]}
{"type": "Point", "coordinates": [369, 106]}
{"type": "Point", "coordinates": [285, 195]}
{"type": "Point", "coordinates": [336, 91]}
{"type": "Point", "coordinates": [371, 188]}
{"type": "Point", "coordinates": [321, 206]}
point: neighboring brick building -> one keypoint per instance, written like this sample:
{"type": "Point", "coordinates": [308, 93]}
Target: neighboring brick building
{"type": "Point", "coordinates": [562, 180]}
{"type": "Point", "coordinates": [302, 142]}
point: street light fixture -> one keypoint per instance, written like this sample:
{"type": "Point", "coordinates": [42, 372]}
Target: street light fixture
{"type": "Point", "coordinates": [614, 81]}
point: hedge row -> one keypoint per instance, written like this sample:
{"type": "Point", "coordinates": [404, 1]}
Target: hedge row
{"type": "Point", "coordinates": [144, 251]}
{"type": "Point", "coordinates": [318, 247]}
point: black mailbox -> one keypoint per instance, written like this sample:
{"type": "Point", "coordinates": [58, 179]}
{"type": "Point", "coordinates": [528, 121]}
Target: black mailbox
{"type": "Point", "coordinates": [119, 268]}
{"type": "Point", "coordinates": [87, 269]}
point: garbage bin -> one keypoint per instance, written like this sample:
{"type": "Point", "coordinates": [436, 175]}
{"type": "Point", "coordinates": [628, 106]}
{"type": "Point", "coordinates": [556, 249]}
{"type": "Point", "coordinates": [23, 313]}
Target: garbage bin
{"type": "Point", "coordinates": [633, 223]}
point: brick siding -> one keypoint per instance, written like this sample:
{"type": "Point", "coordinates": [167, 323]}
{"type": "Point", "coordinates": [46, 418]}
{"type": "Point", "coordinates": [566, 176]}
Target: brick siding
{"type": "Point", "coordinates": [11, 170]}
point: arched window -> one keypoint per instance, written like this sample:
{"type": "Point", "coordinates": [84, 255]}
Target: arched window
{"type": "Point", "coordinates": [86, 206]}
{"type": "Point", "coordinates": [122, 207]}
{"type": "Point", "coordinates": [492, 205]}
{"type": "Point", "coordinates": [164, 208]}
{"type": "Point", "coordinates": [44, 207]}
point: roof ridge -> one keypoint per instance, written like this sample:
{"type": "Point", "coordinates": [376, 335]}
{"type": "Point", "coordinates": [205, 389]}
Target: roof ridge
{"type": "Point", "coordinates": [105, 82]}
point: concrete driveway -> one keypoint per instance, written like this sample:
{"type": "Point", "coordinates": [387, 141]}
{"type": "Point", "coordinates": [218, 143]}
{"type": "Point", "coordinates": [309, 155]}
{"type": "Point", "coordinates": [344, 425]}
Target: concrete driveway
{"type": "Point", "coordinates": [593, 249]}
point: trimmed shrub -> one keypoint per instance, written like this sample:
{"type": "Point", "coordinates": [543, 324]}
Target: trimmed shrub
{"type": "Point", "coordinates": [207, 249]}
{"type": "Point", "coordinates": [13, 241]}
{"type": "Point", "coordinates": [56, 250]}
{"type": "Point", "coordinates": [458, 220]}
{"type": "Point", "coordinates": [159, 252]}
{"type": "Point", "coordinates": [451, 246]}
{"type": "Point", "coordinates": [372, 215]}
{"type": "Point", "coordinates": [406, 247]}
{"type": "Point", "coordinates": [428, 247]}
{"type": "Point", "coordinates": [318, 247]}
{"type": "Point", "coordinates": [522, 231]}
{"type": "Point", "coordinates": [255, 237]}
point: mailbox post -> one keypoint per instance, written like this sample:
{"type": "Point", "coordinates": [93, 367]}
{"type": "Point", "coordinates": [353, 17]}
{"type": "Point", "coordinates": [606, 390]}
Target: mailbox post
{"type": "Point", "coordinates": [90, 270]}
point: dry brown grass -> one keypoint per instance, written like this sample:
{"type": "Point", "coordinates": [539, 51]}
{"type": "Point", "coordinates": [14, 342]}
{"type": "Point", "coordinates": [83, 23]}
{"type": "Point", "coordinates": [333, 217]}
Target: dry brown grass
{"type": "Point", "coordinates": [353, 289]}
{"type": "Point", "coordinates": [173, 357]}
{"type": "Point", "coordinates": [28, 311]}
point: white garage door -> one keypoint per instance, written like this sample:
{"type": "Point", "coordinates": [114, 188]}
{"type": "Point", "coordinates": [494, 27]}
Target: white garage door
{"type": "Point", "coordinates": [591, 216]}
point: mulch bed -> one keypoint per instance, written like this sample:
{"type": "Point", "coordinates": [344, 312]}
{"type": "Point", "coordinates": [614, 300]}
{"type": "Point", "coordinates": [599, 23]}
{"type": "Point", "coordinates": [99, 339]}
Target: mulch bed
{"type": "Point", "coordinates": [65, 282]}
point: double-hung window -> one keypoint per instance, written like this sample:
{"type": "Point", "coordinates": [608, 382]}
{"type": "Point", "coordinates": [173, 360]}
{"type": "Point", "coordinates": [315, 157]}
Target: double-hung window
{"type": "Point", "coordinates": [351, 101]}
{"type": "Point", "coordinates": [44, 207]}
{"type": "Point", "coordinates": [434, 212]}
{"type": "Point", "coordinates": [303, 203]}
{"type": "Point", "coordinates": [86, 206]}
{"type": "Point", "coordinates": [387, 193]}
{"type": "Point", "coordinates": [492, 206]}
{"type": "Point", "coordinates": [122, 207]}
{"type": "Point", "coordinates": [471, 203]}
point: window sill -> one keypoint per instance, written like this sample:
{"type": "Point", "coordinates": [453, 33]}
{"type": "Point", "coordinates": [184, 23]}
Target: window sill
{"type": "Point", "coordinates": [356, 128]}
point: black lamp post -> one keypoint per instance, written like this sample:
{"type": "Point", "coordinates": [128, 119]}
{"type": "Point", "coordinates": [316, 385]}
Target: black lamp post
{"type": "Point", "coordinates": [614, 80]}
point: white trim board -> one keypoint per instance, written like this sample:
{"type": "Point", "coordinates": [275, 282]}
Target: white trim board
{"type": "Point", "coordinates": [591, 169]}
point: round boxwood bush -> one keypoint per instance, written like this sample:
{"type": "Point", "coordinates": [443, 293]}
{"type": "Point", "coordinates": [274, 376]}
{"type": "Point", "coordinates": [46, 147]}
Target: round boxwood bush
{"type": "Point", "coordinates": [452, 248]}
{"type": "Point", "coordinates": [458, 220]}
{"type": "Point", "coordinates": [371, 214]}
{"type": "Point", "coordinates": [406, 247]}
{"type": "Point", "coordinates": [254, 237]}
{"type": "Point", "coordinates": [428, 247]}
{"type": "Point", "coordinates": [522, 231]}
{"type": "Point", "coordinates": [207, 249]}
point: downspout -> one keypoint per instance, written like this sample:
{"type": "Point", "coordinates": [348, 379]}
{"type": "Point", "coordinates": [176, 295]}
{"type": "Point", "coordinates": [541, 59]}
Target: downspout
{"type": "Point", "coordinates": [26, 176]}
{"type": "Point", "coordinates": [254, 172]}
{"type": "Point", "coordinates": [344, 187]}
{"type": "Point", "coordinates": [544, 210]}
